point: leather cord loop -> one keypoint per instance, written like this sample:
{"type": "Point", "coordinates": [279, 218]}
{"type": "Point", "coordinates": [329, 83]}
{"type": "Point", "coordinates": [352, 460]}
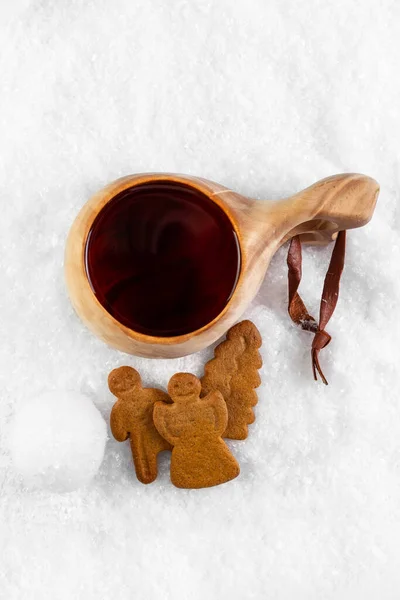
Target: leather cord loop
{"type": "Point", "coordinates": [296, 307]}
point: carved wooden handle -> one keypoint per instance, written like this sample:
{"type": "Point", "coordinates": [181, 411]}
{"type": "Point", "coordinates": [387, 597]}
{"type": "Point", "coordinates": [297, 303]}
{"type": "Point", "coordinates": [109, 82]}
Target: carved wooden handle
{"type": "Point", "coordinates": [333, 204]}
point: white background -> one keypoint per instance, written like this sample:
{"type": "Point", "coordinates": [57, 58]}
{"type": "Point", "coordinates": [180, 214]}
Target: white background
{"type": "Point", "coordinates": [264, 97]}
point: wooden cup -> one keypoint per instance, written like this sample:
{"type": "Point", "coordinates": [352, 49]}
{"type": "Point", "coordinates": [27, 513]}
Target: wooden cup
{"type": "Point", "coordinates": [316, 214]}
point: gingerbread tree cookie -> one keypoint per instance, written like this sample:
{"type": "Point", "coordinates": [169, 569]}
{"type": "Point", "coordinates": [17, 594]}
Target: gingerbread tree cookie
{"type": "Point", "coordinates": [200, 457]}
{"type": "Point", "coordinates": [234, 372]}
{"type": "Point", "coordinates": [132, 417]}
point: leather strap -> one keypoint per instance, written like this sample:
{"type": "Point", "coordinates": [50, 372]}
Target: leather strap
{"type": "Point", "coordinates": [297, 310]}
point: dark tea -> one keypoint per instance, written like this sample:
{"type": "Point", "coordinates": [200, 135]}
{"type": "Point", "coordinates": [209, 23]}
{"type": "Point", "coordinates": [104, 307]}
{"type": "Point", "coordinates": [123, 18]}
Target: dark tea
{"type": "Point", "coordinates": [162, 258]}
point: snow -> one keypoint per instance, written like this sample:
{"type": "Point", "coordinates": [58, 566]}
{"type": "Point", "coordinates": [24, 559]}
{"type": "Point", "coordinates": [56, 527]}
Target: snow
{"type": "Point", "coordinates": [265, 98]}
{"type": "Point", "coordinates": [57, 441]}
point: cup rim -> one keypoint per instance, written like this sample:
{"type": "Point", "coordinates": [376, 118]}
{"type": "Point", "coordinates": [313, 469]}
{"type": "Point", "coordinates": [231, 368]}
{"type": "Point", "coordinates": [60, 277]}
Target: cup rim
{"type": "Point", "coordinates": [100, 200]}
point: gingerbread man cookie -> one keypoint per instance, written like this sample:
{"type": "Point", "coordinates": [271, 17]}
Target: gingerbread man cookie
{"type": "Point", "coordinates": [193, 426]}
{"type": "Point", "coordinates": [132, 417]}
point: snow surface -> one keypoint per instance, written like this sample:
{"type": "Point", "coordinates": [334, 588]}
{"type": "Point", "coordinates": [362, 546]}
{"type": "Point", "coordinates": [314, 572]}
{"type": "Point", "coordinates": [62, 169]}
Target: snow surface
{"type": "Point", "coordinates": [265, 97]}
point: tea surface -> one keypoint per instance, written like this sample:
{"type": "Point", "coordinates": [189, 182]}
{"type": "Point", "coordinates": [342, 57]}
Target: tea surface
{"type": "Point", "coordinates": [162, 258]}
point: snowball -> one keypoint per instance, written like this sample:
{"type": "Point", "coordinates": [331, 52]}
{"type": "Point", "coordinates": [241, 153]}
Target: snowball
{"type": "Point", "coordinates": [57, 441]}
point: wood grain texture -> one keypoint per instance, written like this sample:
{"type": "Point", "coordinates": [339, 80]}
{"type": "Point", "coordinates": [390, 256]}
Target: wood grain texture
{"type": "Point", "coordinates": [317, 213]}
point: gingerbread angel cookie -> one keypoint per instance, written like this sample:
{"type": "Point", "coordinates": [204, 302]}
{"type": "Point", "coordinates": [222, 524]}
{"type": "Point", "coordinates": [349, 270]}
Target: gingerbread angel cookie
{"type": "Point", "coordinates": [132, 417]}
{"type": "Point", "coordinates": [200, 457]}
{"type": "Point", "coordinates": [234, 372]}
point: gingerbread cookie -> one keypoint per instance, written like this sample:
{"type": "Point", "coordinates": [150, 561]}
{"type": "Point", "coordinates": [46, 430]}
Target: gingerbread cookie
{"type": "Point", "coordinates": [234, 372]}
{"type": "Point", "coordinates": [200, 457]}
{"type": "Point", "coordinates": [132, 417]}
